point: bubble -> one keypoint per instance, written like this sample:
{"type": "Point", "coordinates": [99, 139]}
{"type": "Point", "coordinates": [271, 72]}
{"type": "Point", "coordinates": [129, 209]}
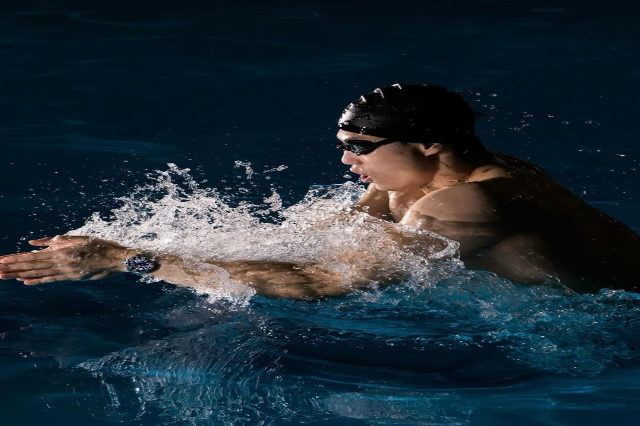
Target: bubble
{"type": "Point", "coordinates": [452, 309]}
{"type": "Point", "coordinates": [247, 166]}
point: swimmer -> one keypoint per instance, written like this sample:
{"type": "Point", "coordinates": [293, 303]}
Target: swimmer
{"type": "Point", "coordinates": [416, 148]}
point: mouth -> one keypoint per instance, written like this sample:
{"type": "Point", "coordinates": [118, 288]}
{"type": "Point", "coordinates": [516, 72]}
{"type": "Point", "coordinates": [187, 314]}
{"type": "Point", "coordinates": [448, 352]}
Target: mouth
{"type": "Point", "coordinates": [363, 177]}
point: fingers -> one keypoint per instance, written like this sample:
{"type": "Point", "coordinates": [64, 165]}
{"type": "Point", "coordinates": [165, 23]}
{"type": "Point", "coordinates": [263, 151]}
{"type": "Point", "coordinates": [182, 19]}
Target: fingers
{"type": "Point", "coordinates": [33, 273]}
{"type": "Point", "coordinates": [27, 257]}
{"type": "Point", "coordinates": [36, 281]}
{"type": "Point", "coordinates": [41, 241]}
{"type": "Point", "coordinates": [42, 275]}
{"type": "Point", "coordinates": [18, 266]}
{"type": "Point", "coordinates": [59, 240]}
{"type": "Point", "coordinates": [28, 270]}
{"type": "Point", "coordinates": [58, 262]}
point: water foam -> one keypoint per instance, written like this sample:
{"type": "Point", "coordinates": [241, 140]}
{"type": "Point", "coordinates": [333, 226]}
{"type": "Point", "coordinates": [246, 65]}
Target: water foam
{"type": "Point", "coordinates": [440, 311]}
{"type": "Point", "coordinates": [174, 214]}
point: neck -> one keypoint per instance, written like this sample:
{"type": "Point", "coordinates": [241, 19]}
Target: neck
{"type": "Point", "coordinates": [450, 170]}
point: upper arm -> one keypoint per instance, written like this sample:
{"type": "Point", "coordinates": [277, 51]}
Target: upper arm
{"type": "Point", "coordinates": [462, 213]}
{"type": "Point", "coordinates": [375, 203]}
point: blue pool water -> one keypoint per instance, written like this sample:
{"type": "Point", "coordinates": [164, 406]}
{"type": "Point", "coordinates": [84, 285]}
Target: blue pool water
{"type": "Point", "coordinates": [99, 98]}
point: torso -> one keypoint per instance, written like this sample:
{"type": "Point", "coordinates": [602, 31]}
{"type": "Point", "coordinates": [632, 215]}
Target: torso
{"type": "Point", "coordinates": [533, 231]}
{"type": "Point", "coordinates": [400, 203]}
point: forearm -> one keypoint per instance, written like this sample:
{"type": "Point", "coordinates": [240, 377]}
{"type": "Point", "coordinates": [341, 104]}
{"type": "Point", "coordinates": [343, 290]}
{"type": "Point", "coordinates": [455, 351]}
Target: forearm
{"type": "Point", "coordinates": [266, 277]}
{"type": "Point", "coordinates": [78, 258]}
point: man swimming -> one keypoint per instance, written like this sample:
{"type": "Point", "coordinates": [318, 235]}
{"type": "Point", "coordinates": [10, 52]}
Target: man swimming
{"type": "Point", "coordinates": [415, 146]}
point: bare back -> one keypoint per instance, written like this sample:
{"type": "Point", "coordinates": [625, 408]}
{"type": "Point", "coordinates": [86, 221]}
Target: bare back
{"type": "Point", "coordinates": [563, 235]}
{"type": "Point", "coordinates": [512, 218]}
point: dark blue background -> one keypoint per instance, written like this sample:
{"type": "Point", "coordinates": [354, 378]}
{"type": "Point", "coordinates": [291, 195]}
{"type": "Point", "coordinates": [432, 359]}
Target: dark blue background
{"type": "Point", "coordinates": [95, 94]}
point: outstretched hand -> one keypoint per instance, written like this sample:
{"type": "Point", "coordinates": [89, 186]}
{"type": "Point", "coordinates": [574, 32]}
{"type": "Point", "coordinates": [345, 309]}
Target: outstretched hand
{"type": "Point", "coordinates": [65, 258]}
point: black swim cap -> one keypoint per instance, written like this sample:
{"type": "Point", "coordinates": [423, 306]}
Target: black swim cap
{"type": "Point", "coordinates": [410, 112]}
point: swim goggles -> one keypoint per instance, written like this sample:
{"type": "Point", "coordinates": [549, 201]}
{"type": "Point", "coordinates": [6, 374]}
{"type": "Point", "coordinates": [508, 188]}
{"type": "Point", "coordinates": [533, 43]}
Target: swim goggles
{"type": "Point", "coordinates": [362, 147]}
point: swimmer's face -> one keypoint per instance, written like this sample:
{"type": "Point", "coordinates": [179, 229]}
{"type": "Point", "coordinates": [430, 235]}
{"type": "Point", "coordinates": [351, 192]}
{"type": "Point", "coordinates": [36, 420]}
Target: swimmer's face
{"type": "Point", "coordinates": [392, 166]}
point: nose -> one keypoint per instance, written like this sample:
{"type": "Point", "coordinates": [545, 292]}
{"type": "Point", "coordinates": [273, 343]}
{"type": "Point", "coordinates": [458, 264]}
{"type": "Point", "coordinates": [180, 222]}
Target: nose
{"type": "Point", "coordinates": [349, 158]}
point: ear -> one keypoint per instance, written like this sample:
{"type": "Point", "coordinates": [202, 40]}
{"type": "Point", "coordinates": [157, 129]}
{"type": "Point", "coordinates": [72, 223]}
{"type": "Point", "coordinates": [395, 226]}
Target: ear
{"type": "Point", "coordinates": [430, 148]}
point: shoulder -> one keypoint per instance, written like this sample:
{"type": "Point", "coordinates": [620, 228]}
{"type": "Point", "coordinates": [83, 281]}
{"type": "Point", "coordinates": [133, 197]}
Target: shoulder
{"type": "Point", "coordinates": [375, 203]}
{"type": "Point", "coordinates": [515, 163]}
{"type": "Point", "coordinates": [462, 213]}
{"type": "Point", "coordinates": [465, 202]}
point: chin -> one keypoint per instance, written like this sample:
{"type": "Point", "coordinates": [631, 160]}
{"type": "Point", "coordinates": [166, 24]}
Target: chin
{"type": "Point", "coordinates": [383, 187]}
{"type": "Point", "coordinates": [391, 186]}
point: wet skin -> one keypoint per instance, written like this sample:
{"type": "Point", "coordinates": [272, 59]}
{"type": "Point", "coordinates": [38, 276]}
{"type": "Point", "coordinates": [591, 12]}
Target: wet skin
{"type": "Point", "coordinates": [508, 216]}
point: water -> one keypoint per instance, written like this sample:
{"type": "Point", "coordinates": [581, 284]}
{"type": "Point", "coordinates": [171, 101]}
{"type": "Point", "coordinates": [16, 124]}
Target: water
{"type": "Point", "coordinates": [105, 108]}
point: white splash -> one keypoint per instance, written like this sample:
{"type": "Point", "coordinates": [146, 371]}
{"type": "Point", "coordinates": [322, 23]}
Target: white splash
{"type": "Point", "coordinates": [174, 214]}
